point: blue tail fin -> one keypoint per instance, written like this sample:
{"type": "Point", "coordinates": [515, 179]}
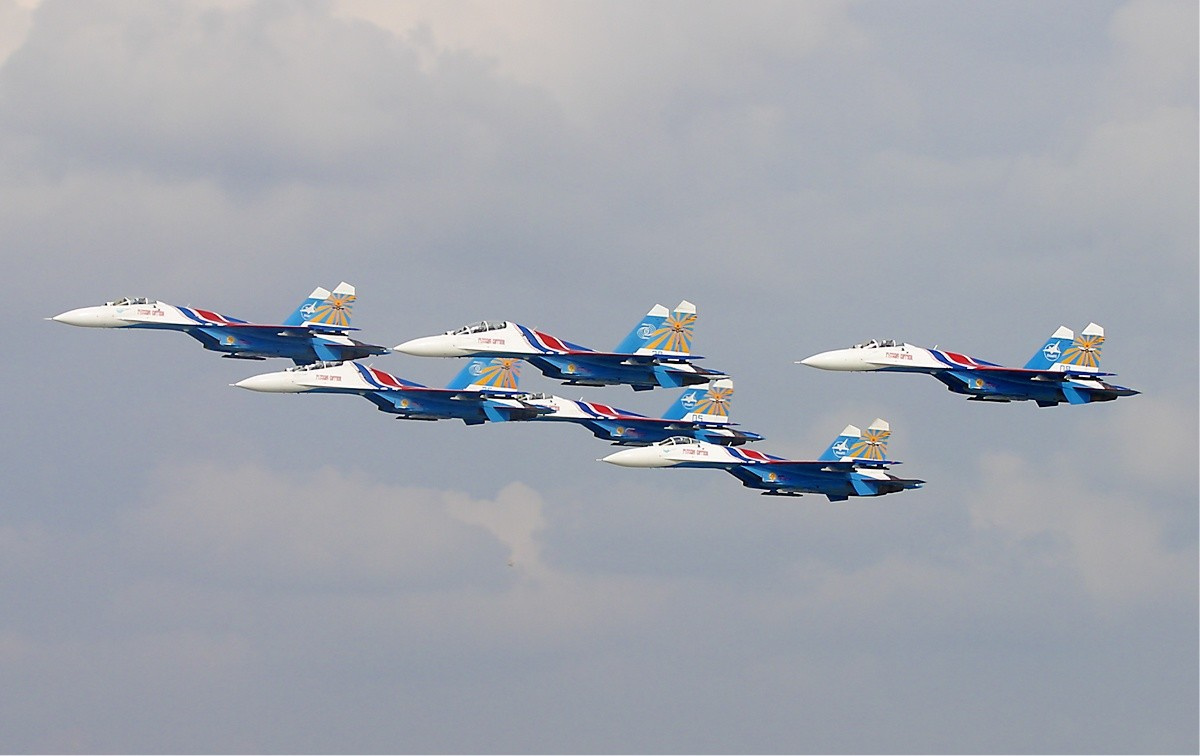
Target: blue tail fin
{"type": "Point", "coordinates": [841, 445]}
{"type": "Point", "coordinates": [872, 445]}
{"type": "Point", "coordinates": [1084, 352]}
{"type": "Point", "coordinates": [334, 310]}
{"type": "Point", "coordinates": [488, 373]}
{"type": "Point", "coordinates": [1052, 351]}
{"type": "Point", "coordinates": [308, 307]}
{"type": "Point", "coordinates": [662, 332]}
{"type": "Point", "coordinates": [708, 404]}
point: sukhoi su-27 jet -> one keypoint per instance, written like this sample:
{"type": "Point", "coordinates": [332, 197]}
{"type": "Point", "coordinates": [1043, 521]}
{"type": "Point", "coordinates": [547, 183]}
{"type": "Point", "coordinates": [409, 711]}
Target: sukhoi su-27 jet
{"type": "Point", "coordinates": [855, 464]}
{"type": "Point", "coordinates": [1065, 369]}
{"type": "Point", "coordinates": [314, 332]}
{"type": "Point", "coordinates": [657, 352]}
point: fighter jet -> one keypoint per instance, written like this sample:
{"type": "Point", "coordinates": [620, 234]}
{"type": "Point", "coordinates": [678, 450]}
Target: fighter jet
{"type": "Point", "coordinates": [315, 332]}
{"type": "Point", "coordinates": [855, 464]}
{"type": "Point", "coordinates": [657, 352]}
{"type": "Point", "coordinates": [699, 412]}
{"type": "Point", "coordinates": [486, 389]}
{"type": "Point", "coordinates": [1065, 369]}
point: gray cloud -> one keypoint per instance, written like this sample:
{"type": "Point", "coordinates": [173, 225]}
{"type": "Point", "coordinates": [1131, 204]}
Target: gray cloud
{"type": "Point", "coordinates": [199, 568]}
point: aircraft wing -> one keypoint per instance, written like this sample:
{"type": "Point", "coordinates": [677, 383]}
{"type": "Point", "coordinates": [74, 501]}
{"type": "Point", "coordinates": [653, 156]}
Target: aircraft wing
{"type": "Point", "coordinates": [813, 465]}
{"type": "Point", "coordinates": [467, 395]}
{"type": "Point", "coordinates": [305, 329]}
{"type": "Point", "coordinates": [442, 393]}
{"type": "Point", "coordinates": [841, 465]}
{"type": "Point", "coordinates": [629, 358]}
{"type": "Point", "coordinates": [668, 424]}
{"type": "Point", "coordinates": [1040, 375]}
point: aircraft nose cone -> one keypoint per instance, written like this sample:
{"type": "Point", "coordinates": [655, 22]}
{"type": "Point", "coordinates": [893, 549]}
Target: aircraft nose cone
{"type": "Point", "coordinates": [86, 317]}
{"type": "Point", "coordinates": [271, 383]}
{"type": "Point", "coordinates": [429, 346]}
{"type": "Point", "coordinates": [643, 456]}
{"type": "Point", "coordinates": [837, 359]}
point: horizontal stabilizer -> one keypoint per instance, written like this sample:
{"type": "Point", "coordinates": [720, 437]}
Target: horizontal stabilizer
{"type": "Point", "coordinates": [667, 378]}
{"type": "Point", "coordinates": [1075, 395]}
{"type": "Point", "coordinates": [494, 413]}
{"type": "Point", "coordinates": [863, 486]}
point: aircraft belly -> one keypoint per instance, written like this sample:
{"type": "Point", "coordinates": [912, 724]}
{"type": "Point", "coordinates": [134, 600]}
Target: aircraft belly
{"type": "Point", "coordinates": [772, 477]}
{"type": "Point", "coordinates": [585, 372]}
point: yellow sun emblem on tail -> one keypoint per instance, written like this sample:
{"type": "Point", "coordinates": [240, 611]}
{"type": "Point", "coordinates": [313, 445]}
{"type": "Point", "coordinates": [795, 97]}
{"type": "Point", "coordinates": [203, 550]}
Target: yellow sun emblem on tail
{"type": "Point", "coordinates": [675, 334]}
{"type": "Point", "coordinates": [334, 311]}
{"type": "Point", "coordinates": [1084, 352]}
{"type": "Point", "coordinates": [872, 445]}
{"type": "Point", "coordinates": [715, 402]}
{"type": "Point", "coordinates": [500, 373]}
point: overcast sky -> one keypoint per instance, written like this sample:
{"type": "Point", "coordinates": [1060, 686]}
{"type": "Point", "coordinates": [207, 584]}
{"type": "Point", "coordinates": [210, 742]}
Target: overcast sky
{"type": "Point", "coordinates": [191, 567]}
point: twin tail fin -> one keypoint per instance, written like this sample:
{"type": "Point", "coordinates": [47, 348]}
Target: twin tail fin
{"type": "Point", "coordinates": [662, 332]}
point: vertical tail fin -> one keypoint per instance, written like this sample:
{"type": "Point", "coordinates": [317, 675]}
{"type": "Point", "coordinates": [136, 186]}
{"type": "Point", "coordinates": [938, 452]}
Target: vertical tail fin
{"type": "Point", "coordinates": [1052, 351]}
{"type": "Point", "coordinates": [841, 445]}
{"type": "Point", "coordinates": [307, 307]}
{"type": "Point", "coordinates": [488, 373]}
{"type": "Point", "coordinates": [704, 404]}
{"type": "Point", "coordinates": [335, 309]}
{"type": "Point", "coordinates": [1084, 351]}
{"type": "Point", "coordinates": [872, 445]}
{"type": "Point", "coordinates": [662, 332]}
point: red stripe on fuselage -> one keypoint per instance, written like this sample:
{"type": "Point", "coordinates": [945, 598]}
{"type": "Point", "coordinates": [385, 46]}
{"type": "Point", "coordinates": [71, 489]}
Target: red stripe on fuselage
{"type": "Point", "coordinates": [603, 409]}
{"type": "Point", "coordinates": [755, 455]}
{"type": "Point", "coordinates": [387, 379]}
{"type": "Point", "coordinates": [550, 342]}
{"type": "Point", "coordinates": [213, 316]}
{"type": "Point", "coordinates": [961, 359]}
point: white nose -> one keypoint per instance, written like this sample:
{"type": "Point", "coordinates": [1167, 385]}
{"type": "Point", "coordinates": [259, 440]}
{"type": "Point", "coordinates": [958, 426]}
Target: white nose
{"type": "Point", "coordinates": [643, 456]}
{"type": "Point", "coordinates": [90, 317]}
{"type": "Point", "coordinates": [431, 346]}
{"type": "Point", "coordinates": [272, 383]}
{"type": "Point", "coordinates": [838, 359]}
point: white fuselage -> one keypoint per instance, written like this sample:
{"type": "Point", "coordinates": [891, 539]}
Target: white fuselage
{"type": "Point", "coordinates": [124, 315]}
{"type": "Point", "coordinates": [341, 377]}
{"type": "Point", "coordinates": [501, 337]}
{"type": "Point", "coordinates": [680, 451]}
{"type": "Point", "coordinates": [889, 357]}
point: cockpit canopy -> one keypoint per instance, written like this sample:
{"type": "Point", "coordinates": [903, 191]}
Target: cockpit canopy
{"type": "Point", "coordinates": [313, 366]}
{"type": "Point", "coordinates": [677, 441]}
{"type": "Point", "coordinates": [873, 343]}
{"type": "Point", "coordinates": [480, 327]}
{"type": "Point", "coordinates": [128, 301]}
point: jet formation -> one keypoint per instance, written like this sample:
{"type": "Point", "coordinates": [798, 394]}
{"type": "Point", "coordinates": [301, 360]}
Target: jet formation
{"type": "Point", "coordinates": [695, 431]}
{"type": "Point", "coordinates": [486, 389]}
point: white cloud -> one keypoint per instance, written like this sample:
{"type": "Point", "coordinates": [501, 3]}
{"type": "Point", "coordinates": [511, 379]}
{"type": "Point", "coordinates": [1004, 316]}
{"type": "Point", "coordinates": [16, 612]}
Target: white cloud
{"type": "Point", "coordinates": [1110, 539]}
{"type": "Point", "coordinates": [1123, 177]}
{"type": "Point", "coordinates": [1155, 56]}
{"type": "Point", "coordinates": [320, 526]}
{"type": "Point", "coordinates": [16, 16]}
{"type": "Point", "coordinates": [807, 184]}
{"type": "Point", "coordinates": [593, 56]}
